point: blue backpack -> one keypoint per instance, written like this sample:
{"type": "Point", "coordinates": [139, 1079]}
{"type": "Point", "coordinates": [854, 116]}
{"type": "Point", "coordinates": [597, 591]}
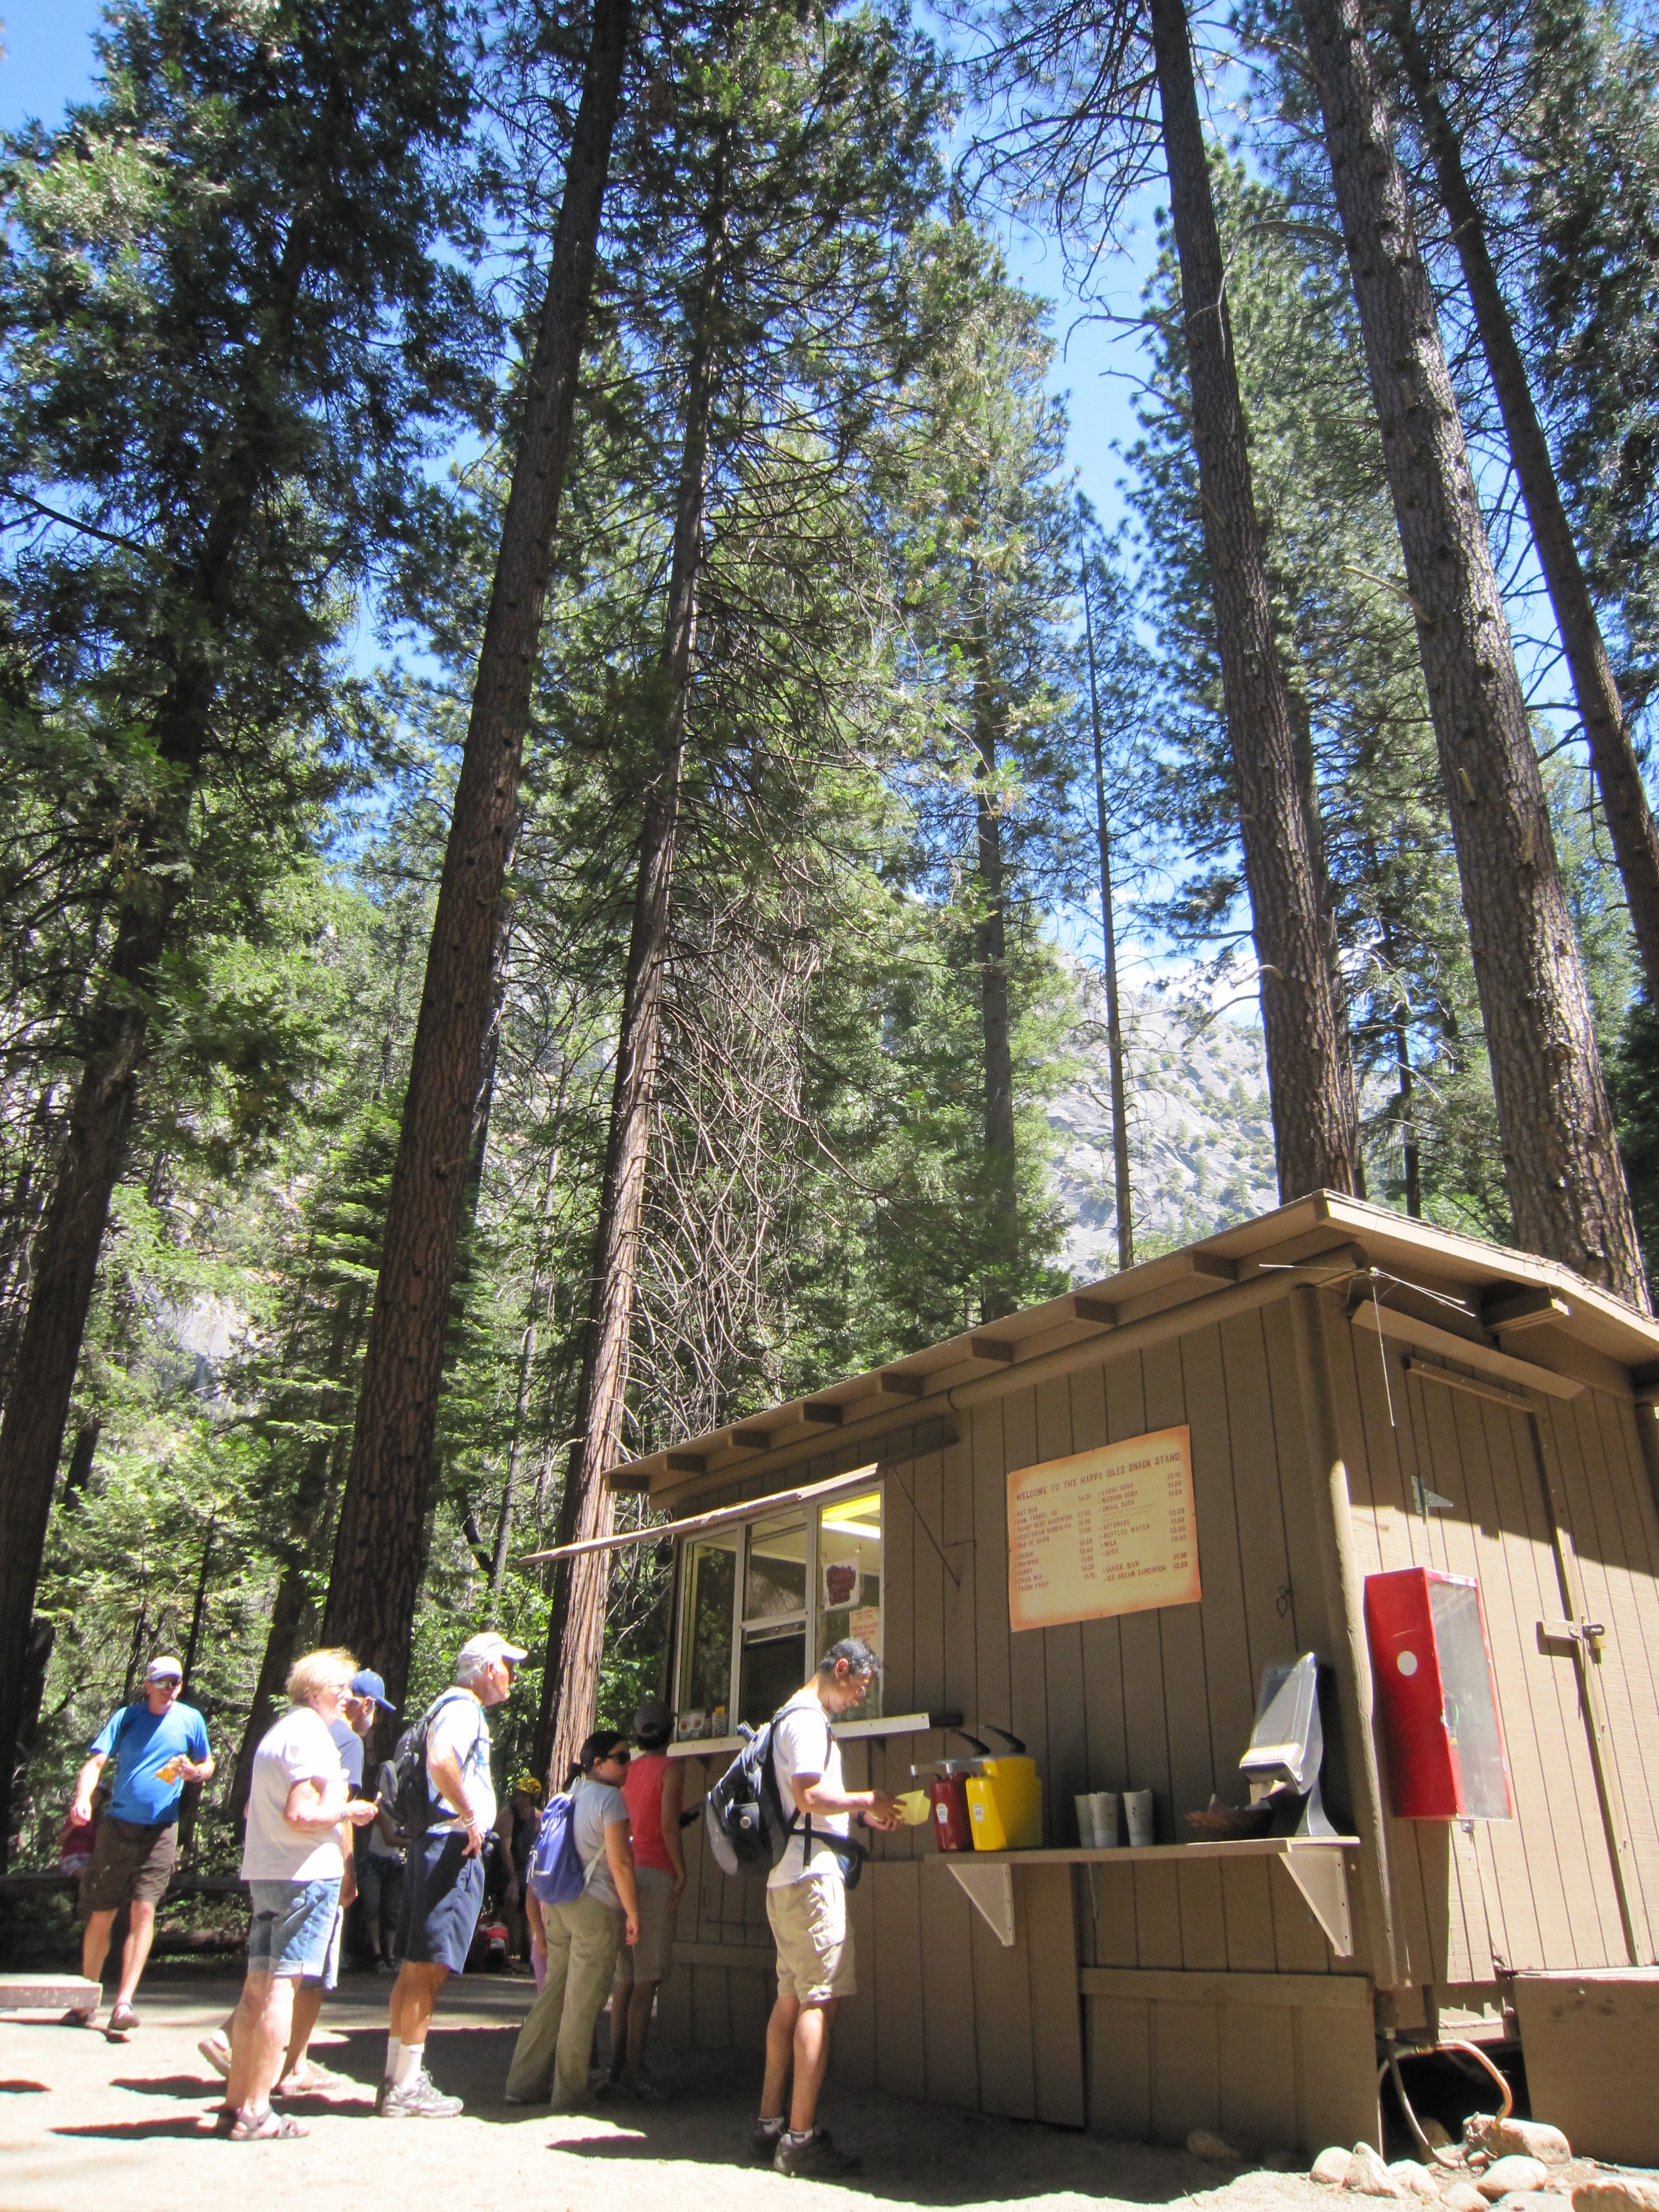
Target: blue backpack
{"type": "Point", "coordinates": [555, 1872]}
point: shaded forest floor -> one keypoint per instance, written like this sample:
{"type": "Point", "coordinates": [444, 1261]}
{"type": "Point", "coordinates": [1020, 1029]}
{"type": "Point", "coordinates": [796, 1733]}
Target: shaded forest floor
{"type": "Point", "coordinates": [83, 2121]}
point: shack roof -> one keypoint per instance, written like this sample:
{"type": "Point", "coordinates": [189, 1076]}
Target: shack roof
{"type": "Point", "coordinates": [1481, 1294]}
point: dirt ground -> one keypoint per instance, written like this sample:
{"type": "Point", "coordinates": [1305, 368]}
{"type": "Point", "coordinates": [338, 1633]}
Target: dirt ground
{"type": "Point", "coordinates": [86, 2122]}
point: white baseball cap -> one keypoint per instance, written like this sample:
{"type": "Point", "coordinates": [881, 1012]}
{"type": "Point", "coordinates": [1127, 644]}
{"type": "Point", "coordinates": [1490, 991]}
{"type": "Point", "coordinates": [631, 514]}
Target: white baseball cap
{"type": "Point", "coordinates": [490, 1645]}
{"type": "Point", "coordinates": [163, 1669]}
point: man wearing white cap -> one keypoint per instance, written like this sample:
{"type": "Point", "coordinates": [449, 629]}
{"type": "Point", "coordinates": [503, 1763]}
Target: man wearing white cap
{"type": "Point", "coordinates": [158, 1745]}
{"type": "Point", "coordinates": [443, 1884]}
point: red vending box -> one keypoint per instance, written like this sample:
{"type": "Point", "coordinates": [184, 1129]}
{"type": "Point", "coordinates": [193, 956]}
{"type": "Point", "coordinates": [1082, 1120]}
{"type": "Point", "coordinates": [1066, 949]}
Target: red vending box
{"type": "Point", "coordinates": [1437, 1697]}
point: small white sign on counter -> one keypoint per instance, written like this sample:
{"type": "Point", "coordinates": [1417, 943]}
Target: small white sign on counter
{"type": "Point", "coordinates": [1104, 1532]}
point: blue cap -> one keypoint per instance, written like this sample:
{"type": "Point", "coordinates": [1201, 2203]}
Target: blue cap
{"type": "Point", "coordinates": [366, 1683]}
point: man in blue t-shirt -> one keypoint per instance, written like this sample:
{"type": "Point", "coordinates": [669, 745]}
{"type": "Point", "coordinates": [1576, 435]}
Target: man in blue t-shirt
{"type": "Point", "coordinates": [158, 1745]}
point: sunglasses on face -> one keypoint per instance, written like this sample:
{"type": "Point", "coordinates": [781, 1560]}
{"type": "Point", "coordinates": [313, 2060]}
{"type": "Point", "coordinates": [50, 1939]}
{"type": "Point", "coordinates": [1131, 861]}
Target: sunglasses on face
{"type": "Point", "coordinates": [618, 1758]}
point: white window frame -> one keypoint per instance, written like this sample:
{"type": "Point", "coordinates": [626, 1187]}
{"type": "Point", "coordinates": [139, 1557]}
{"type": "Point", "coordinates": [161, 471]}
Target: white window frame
{"type": "Point", "coordinates": [858, 1484]}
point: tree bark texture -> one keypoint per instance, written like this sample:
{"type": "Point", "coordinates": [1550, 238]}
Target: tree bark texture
{"type": "Point", "coordinates": [1566, 1183]}
{"type": "Point", "coordinates": [1624, 796]}
{"type": "Point", "coordinates": [1310, 1078]}
{"type": "Point", "coordinates": [63, 1268]}
{"type": "Point", "coordinates": [1126, 1234]}
{"type": "Point", "coordinates": [991, 951]}
{"type": "Point", "coordinates": [576, 1634]}
{"type": "Point", "coordinates": [380, 1548]}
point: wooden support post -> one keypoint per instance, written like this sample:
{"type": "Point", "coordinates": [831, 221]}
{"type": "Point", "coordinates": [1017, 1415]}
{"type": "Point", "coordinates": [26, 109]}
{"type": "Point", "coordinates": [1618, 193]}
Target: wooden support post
{"type": "Point", "coordinates": [1345, 1606]}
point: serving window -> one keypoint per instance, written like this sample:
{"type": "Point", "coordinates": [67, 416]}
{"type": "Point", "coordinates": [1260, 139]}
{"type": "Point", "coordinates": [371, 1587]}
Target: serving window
{"type": "Point", "coordinates": [763, 1599]}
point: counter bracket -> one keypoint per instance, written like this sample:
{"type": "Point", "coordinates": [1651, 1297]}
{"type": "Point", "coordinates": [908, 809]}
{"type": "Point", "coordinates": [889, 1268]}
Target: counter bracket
{"type": "Point", "coordinates": [1323, 1880]}
{"type": "Point", "coordinates": [1314, 1863]}
{"type": "Point", "coordinates": [990, 1889]}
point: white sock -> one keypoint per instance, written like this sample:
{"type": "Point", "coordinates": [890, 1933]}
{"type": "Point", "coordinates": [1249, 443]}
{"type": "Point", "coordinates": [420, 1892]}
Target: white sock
{"type": "Point", "coordinates": [393, 2052]}
{"type": "Point", "coordinates": [408, 2064]}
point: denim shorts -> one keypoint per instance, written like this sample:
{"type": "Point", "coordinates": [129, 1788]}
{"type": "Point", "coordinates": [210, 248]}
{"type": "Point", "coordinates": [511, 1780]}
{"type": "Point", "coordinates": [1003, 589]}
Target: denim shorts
{"type": "Point", "coordinates": [291, 1927]}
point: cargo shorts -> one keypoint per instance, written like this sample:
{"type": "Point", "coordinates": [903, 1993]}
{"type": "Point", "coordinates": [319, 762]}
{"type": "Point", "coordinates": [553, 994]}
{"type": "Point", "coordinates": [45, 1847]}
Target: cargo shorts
{"type": "Point", "coordinates": [814, 1939]}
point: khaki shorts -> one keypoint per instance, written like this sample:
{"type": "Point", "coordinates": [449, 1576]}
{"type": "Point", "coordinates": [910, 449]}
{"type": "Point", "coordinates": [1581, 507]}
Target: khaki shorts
{"type": "Point", "coordinates": [650, 1959]}
{"type": "Point", "coordinates": [815, 1943]}
{"type": "Point", "coordinates": [133, 1863]}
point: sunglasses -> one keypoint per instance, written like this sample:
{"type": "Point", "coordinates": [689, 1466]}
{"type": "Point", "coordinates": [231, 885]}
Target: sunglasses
{"type": "Point", "coordinates": [619, 1758]}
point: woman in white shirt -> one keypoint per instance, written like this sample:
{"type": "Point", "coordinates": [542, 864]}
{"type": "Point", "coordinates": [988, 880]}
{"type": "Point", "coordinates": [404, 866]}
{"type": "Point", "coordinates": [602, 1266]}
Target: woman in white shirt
{"type": "Point", "coordinates": [293, 1864]}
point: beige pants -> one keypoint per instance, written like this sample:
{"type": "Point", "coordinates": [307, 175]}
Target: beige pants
{"type": "Point", "coordinates": [582, 1943]}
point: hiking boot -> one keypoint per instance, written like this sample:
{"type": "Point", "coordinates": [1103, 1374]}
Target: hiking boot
{"type": "Point", "coordinates": [763, 2140]}
{"type": "Point", "coordinates": [419, 2099]}
{"type": "Point", "coordinates": [815, 2159]}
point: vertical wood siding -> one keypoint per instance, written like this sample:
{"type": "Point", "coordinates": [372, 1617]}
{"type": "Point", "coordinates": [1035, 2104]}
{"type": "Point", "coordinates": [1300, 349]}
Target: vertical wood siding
{"type": "Point", "coordinates": [1164, 1700]}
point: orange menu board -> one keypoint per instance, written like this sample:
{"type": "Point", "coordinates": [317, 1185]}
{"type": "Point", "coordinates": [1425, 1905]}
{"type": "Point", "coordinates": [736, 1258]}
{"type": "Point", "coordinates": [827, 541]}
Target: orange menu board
{"type": "Point", "coordinates": [1103, 1532]}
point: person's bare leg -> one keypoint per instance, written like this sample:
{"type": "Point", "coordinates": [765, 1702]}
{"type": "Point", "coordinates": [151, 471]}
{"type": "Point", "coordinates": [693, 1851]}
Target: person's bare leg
{"type": "Point", "coordinates": [94, 1944]}
{"type": "Point", "coordinates": [258, 2040]}
{"type": "Point", "coordinates": [642, 1996]}
{"type": "Point", "coordinates": [811, 2055]}
{"type": "Point", "coordinates": [306, 2006]}
{"type": "Point", "coordinates": [140, 1934]}
{"type": "Point", "coordinates": [780, 2054]}
{"type": "Point", "coordinates": [414, 1999]}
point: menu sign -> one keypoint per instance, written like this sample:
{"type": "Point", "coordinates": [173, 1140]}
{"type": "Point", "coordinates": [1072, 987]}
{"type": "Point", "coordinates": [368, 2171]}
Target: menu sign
{"type": "Point", "coordinates": [1103, 1532]}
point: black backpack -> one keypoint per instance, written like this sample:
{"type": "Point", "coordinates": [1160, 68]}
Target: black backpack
{"type": "Point", "coordinates": [748, 1831]}
{"type": "Point", "coordinates": [402, 1793]}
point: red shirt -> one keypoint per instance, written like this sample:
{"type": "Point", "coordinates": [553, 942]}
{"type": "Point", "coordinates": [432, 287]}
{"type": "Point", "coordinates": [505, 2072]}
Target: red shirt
{"type": "Point", "coordinates": [643, 1791]}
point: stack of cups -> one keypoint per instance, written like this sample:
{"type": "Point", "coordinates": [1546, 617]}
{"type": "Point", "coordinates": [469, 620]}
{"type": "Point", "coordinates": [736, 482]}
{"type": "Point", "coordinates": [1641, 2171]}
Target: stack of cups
{"type": "Point", "coordinates": [1137, 1815]}
{"type": "Point", "coordinates": [1096, 1820]}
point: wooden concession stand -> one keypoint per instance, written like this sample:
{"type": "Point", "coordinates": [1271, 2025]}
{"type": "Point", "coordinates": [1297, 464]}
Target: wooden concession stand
{"type": "Point", "coordinates": [1360, 1394]}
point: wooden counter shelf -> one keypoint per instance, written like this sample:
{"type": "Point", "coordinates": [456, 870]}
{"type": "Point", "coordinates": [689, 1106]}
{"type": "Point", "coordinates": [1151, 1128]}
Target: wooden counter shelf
{"type": "Point", "coordinates": [1313, 1863]}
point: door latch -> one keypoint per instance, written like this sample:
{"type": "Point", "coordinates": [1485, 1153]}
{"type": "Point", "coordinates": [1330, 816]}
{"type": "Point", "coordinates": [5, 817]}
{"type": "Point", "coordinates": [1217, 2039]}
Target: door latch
{"type": "Point", "coordinates": [1586, 1633]}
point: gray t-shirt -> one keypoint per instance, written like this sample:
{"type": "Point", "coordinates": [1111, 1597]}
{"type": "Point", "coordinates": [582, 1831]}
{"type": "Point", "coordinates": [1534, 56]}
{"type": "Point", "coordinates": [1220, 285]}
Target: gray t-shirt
{"type": "Point", "coordinates": [595, 1807]}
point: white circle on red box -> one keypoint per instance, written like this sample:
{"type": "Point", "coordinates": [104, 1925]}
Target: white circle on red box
{"type": "Point", "coordinates": [1407, 1662]}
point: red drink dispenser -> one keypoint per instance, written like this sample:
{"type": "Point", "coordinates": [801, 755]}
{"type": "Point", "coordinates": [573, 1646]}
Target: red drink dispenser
{"type": "Point", "coordinates": [1437, 1697]}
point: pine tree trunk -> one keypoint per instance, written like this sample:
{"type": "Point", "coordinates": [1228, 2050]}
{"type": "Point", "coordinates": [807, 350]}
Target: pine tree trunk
{"type": "Point", "coordinates": [1316, 1123]}
{"type": "Point", "coordinates": [288, 1614]}
{"type": "Point", "coordinates": [380, 1547]}
{"type": "Point", "coordinates": [1566, 1184]}
{"type": "Point", "coordinates": [991, 951]}
{"type": "Point", "coordinates": [576, 1634]}
{"type": "Point", "coordinates": [1126, 1235]}
{"type": "Point", "coordinates": [1624, 798]}
{"type": "Point", "coordinates": [64, 1266]}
